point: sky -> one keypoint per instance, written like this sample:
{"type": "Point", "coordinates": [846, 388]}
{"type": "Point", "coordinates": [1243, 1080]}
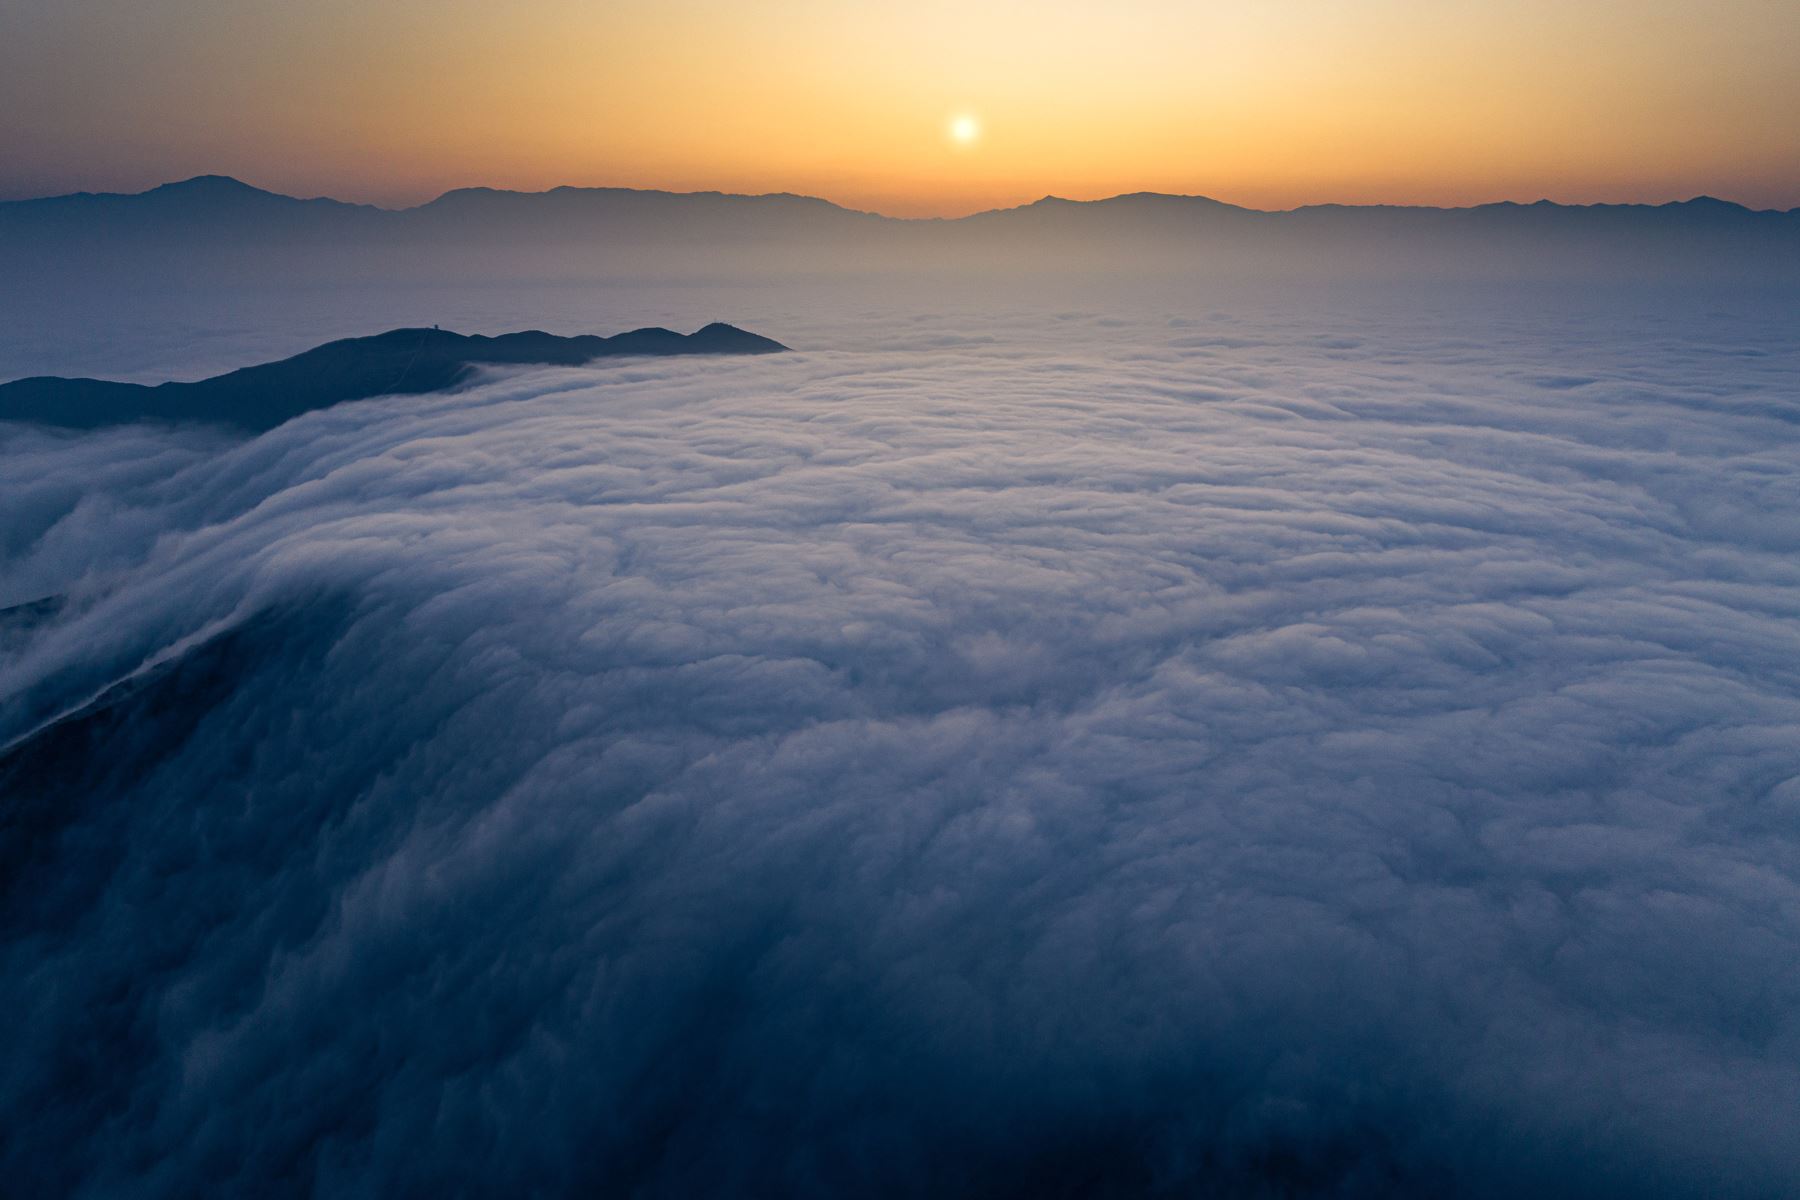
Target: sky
{"type": "Point", "coordinates": [1270, 104]}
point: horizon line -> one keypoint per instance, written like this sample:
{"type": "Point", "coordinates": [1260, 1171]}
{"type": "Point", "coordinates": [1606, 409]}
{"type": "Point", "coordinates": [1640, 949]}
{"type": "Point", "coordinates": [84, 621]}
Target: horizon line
{"type": "Point", "coordinates": [221, 178]}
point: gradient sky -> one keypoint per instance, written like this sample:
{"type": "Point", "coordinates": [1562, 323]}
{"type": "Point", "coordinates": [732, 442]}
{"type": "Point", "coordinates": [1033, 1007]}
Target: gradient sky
{"type": "Point", "coordinates": [1269, 104]}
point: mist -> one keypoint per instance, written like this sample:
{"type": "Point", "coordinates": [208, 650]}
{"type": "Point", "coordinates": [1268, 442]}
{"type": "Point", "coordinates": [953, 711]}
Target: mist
{"type": "Point", "coordinates": [212, 234]}
{"type": "Point", "coordinates": [1121, 742]}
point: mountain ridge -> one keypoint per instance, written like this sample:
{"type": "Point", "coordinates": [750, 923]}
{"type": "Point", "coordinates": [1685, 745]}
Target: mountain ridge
{"type": "Point", "coordinates": [400, 362]}
{"type": "Point", "coordinates": [217, 184]}
{"type": "Point", "coordinates": [214, 228]}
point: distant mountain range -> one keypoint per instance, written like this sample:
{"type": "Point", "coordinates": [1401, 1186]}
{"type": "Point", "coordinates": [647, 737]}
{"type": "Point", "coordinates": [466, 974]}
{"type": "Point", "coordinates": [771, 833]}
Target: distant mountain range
{"type": "Point", "coordinates": [213, 222]}
{"type": "Point", "coordinates": [219, 194]}
{"type": "Point", "coordinates": [400, 362]}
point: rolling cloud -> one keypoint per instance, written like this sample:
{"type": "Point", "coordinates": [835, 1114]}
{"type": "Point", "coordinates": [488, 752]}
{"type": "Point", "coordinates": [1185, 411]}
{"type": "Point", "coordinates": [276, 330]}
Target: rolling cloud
{"type": "Point", "coordinates": [1202, 754]}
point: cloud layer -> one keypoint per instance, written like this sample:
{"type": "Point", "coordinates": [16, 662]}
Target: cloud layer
{"type": "Point", "coordinates": [1067, 755]}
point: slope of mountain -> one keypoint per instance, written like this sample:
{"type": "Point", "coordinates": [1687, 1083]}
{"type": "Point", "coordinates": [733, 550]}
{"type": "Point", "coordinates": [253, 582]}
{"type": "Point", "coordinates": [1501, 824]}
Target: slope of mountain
{"type": "Point", "coordinates": [399, 362]}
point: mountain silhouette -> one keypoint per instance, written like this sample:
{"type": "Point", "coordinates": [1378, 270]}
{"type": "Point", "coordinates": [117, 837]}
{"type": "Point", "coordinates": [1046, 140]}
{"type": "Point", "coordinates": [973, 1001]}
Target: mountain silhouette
{"type": "Point", "coordinates": [201, 227]}
{"type": "Point", "coordinates": [399, 362]}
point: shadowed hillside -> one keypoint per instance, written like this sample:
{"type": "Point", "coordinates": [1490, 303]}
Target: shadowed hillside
{"type": "Point", "coordinates": [400, 362]}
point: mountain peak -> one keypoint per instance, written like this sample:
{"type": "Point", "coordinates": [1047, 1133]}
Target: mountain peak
{"type": "Point", "coordinates": [208, 185]}
{"type": "Point", "coordinates": [1712, 204]}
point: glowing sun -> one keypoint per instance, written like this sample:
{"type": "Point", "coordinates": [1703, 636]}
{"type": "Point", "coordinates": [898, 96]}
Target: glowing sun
{"type": "Point", "coordinates": [964, 129]}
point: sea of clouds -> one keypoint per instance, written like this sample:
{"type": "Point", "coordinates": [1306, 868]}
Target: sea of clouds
{"type": "Point", "coordinates": [1283, 752]}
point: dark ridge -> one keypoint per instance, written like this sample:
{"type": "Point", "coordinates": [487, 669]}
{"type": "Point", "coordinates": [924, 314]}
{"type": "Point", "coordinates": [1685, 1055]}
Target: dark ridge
{"type": "Point", "coordinates": [18, 621]}
{"type": "Point", "coordinates": [54, 773]}
{"type": "Point", "coordinates": [401, 362]}
{"type": "Point", "coordinates": [31, 612]}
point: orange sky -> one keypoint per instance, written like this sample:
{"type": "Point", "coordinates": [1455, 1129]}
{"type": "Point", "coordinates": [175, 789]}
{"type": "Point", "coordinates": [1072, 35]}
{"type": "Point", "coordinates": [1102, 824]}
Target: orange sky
{"type": "Point", "coordinates": [1271, 104]}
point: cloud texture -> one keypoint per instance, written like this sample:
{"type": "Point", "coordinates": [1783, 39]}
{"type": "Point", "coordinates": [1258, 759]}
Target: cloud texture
{"type": "Point", "coordinates": [1074, 755]}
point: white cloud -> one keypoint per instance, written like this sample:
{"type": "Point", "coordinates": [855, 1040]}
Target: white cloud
{"type": "Point", "coordinates": [1343, 756]}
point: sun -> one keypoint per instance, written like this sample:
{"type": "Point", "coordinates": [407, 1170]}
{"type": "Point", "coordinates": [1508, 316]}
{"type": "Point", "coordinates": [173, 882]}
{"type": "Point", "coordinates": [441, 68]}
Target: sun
{"type": "Point", "coordinates": [964, 129]}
